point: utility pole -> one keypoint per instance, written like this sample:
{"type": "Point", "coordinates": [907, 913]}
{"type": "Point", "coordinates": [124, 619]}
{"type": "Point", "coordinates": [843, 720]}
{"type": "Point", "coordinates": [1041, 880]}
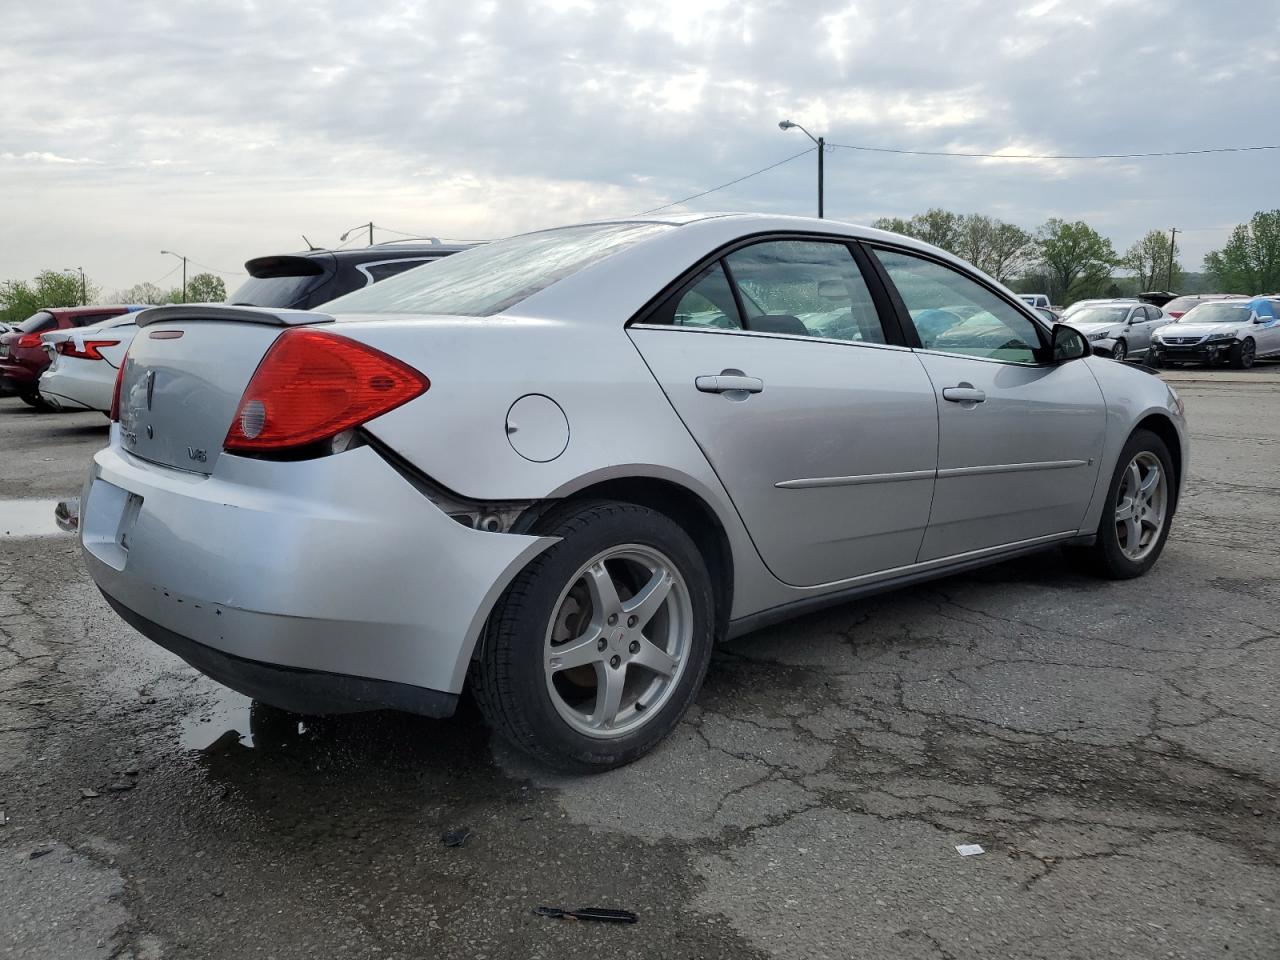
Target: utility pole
{"type": "Point", "coordinates": [822, 148]}
{"type": "Point", "coordinates": [184, 270]}
{"type": "Point", "coordinates": [1173, 241]}
{"type": "Point", "coordinates": [84, 288]}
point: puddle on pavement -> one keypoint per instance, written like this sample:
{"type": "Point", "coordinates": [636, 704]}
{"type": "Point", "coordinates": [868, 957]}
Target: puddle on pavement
{"type": "Point", "coordinates": [222, 713]}
{"type": "Point", "coordinates": [28, 518]}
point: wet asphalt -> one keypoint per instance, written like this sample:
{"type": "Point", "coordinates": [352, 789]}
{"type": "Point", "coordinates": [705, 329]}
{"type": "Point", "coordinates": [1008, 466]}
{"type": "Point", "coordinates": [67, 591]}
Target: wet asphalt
{"type": "Point", "coordinates": [1113, 747]}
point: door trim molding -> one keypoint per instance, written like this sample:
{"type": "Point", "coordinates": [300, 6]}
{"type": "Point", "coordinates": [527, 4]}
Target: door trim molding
{"type": "Point", "coordinates": [808, 483]}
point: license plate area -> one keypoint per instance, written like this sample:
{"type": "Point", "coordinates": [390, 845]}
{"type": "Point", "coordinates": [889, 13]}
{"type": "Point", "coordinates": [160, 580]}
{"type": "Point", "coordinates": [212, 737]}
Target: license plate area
{"type": "Point", "coordinates": [107, 520]}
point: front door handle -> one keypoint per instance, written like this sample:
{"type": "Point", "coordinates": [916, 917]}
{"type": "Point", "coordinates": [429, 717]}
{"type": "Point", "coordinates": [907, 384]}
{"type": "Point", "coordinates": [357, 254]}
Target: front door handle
{"type": "Point", "coordinates": [963, 394]}
{"type": "Point", "coordinates": [726, 383]}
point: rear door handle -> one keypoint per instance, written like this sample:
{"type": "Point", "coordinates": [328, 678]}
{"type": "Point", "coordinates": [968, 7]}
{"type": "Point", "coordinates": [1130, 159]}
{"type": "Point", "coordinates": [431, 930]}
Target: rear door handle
{"type": "Point", "coordinates": [963, 394]}
{"type": "Point", "coordinates": [725, 383]}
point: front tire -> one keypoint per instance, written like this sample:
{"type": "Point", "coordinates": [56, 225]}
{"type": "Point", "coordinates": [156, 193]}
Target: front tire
{"type": "Point", "coordinates": [1120, 352]}
{"type": "Point", "coordinates": [1139, 510]}
{"type": "Point", "coordinates": [599, 646]}
{"type": "Point", "coordinates": [1242, 354]}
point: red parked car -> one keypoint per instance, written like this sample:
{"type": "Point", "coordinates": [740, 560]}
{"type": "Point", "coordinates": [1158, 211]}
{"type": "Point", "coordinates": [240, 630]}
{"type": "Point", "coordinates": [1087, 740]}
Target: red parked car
{"type": "Point", "coordinates": [22, 356]}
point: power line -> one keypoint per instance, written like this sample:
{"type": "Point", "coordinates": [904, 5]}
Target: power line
{"type": "Point", "coordinates": [229, 273]}
{"type": "Point", "coordinates": [676, 203]}
{"type": "Point", "coordinates": [1053, 156]}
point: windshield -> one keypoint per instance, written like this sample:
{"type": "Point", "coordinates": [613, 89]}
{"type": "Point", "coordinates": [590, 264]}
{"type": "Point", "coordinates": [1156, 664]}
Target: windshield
{"type": "Point", "coordinates": [491, 278]}
{"type": "Point", "coordinates": [1219, 311]}
{"type": "Point", "coordinates": [1100, 315]}
{"type": "Point", "coordinates": [37, 322]}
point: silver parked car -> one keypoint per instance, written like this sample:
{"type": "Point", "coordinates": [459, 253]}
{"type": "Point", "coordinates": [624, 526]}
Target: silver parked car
{"type": "Point", "coordinates": [1120, 328]}
{"type": "Point", "coordinates": [557, 468]}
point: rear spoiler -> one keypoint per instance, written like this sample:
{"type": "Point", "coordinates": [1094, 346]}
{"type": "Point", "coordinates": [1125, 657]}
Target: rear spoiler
{"type": "Point", "coordinates": [221, 313]}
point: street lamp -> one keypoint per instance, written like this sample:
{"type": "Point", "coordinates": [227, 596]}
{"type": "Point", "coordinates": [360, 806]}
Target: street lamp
{"type": "Point", "coordinates": [361, 226]}
{"type": "Point", "coordinates": [822, 146]}
{"type": "Point", "coordinates": [170, 253]}
{"type": "Point", "coordinates": [84, 286]}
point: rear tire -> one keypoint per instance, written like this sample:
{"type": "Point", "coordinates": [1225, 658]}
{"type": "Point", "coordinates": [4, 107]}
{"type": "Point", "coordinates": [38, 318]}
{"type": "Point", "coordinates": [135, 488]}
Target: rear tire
{"type": "Point", "coordinates": [563, 674]}
{"type": "Point", "coordinates": [1135, 522]}
{"type": "Point", "coordinates": [31, 399]}
{"type": "Point", "coordinates": [1242, 354]}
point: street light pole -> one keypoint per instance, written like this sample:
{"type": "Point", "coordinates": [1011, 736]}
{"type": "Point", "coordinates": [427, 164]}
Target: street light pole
{"type": "Point", "coordinates": [84, 286]}
{"type": "Point", "coordinates": [822, 149]}
{"type": "Point", "coordinates": [184, 270]}
{"type": "Point", "coordinates": [1173, 239]}
{"type": "Point", "coordinates": [361, 226]}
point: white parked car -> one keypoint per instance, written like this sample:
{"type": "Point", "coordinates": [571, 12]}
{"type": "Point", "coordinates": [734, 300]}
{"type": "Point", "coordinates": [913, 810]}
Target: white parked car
{"type": "Point", "coordinates": [84, 362]}
{"type": "Point", "coordinates": [1237, 331]}
{"type": "Point", "coordinates": [1035, 300]}
{"type": "Point", "coordinates": [1119, 328]}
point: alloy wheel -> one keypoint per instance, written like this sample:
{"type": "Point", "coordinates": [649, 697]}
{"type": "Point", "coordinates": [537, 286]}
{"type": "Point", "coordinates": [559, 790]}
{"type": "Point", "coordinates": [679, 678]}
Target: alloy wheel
{"type": "Point", "coordinates": [1141, 504]}
{"type": "Point", "coordinates": [618, 641]}
{"type": "Point", "coordinates": [1119, 352]}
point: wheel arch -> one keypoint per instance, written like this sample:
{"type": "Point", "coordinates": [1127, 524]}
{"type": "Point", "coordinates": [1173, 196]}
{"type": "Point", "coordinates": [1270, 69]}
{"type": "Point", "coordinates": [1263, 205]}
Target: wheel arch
{"type": "Point", "coordinates": [1164, 428]}
{"type": "Point", "coordinates": [686, 508]}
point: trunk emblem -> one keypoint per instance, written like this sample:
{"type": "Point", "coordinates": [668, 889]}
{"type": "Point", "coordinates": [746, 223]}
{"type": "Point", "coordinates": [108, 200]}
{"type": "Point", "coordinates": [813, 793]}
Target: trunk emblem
{"type": "Point", "coordinates": [196, 454]}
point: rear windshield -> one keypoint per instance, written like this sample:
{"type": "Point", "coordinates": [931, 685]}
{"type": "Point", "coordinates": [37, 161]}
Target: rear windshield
{"type": "Point", "coordinates": [491, 278]}
{"type": "Point", "coordinates": [273, 291]}
{"type": "Point", "coordinates": [38, 322]}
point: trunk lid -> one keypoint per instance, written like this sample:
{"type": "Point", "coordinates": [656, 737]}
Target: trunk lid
{"type": "Point", "coordinates": [184, 375]}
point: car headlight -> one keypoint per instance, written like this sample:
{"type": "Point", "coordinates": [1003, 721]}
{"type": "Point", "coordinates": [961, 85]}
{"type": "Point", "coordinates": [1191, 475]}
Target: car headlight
{"type": "Point", "coordinates": [1104, 335]}
{"type": "Point", "coordinates": [1221, 336]}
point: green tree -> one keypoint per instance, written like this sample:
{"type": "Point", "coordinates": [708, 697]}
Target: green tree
{"type": "Point", "coordinates": [995, 247]}
{"type": "Point", "coordinates": [51, 288]}
{"type": "Point", "coordinates": [1075, 258]}
{"type": "Point", "coordinates": [1250, 261]}
{"type": "Point", "coordinates": [149, 293]}
{"type": "Point", "coordinates": [206, 288]}
{"type": "Point", "coordinates": [942, 228]}
{"type": "Point", "coordinates": [1148, 259]}
{"type": "Point", "coordinates": [893, 225]}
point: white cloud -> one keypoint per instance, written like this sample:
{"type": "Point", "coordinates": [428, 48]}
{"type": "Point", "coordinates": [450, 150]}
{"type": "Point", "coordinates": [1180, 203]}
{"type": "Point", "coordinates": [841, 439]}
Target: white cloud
{"type": "Point", "coordinates": [229, 127]}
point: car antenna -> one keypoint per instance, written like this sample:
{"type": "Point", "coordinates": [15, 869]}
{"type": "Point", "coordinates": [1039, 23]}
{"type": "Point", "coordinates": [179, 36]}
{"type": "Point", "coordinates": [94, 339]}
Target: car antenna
{"type": "Point", "coordinates": [310, 245]}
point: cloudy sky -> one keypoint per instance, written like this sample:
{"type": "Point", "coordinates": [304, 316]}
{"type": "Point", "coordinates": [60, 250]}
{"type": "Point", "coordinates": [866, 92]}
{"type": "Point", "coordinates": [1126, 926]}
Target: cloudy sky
{"type": "Point", "coordinates": [226, 129]}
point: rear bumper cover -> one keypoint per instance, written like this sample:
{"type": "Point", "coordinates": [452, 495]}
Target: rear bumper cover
{"type": "Point", "coordinates": [334, 567]}
{"type": "Point", "coordinates": [289, 688]}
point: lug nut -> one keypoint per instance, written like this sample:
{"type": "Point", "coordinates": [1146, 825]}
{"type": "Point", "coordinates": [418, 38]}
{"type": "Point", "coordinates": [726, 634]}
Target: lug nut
{"type": "Point", "coordinates": [632, 621]}
{"type": "Point", "coordinates": [615, 661]}
{"type": "Point", "coordinates": [635, 646]}
{"type": "Point", "coordinates": [613, 618]}
{"type": "Point", "coordinates": [602, 643]}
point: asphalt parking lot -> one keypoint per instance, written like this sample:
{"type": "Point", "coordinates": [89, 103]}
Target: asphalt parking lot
{"type": "Point", "coordinates": [1113, 747]}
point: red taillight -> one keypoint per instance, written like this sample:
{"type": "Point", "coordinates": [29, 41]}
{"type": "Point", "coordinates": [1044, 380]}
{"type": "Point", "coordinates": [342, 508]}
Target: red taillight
{"type": "Point", "coordinates": [29, 340]}
{"type": "Point", "coordinates": [90, 352]}
{"type": "Point", "coordinates": [1176, 313]}
{"type": "Point", "coordinates": [312, 385]}
{"type": "Point", "coordinates": [115, 393]}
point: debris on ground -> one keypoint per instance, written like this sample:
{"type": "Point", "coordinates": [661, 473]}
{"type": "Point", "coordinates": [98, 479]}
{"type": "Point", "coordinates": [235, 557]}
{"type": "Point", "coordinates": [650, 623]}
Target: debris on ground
{"type": "Point", "coordinates": [598, 914]}
{"type": "Point", "coordinates": [969, 849]}
{"type": "Point", "coordinates": [87, 794]}
{"type": "Point", "coordinates": [456, 838]}
{"type": "Point", "coordinates": [122, 785]}
{"type": "Point", "coordinates": [39, 852]}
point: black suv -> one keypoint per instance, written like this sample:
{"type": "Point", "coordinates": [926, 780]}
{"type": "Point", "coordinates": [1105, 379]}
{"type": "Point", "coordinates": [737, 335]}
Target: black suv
{"type": "Point", "coordinates": [304, 280]}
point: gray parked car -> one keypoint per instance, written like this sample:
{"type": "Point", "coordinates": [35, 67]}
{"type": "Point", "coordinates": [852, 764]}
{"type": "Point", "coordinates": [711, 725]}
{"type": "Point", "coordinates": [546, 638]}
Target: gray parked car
{"type": "Point", "coordinates": [557, 468]}
{"type": "Point", "coordinates": [1119, 328]}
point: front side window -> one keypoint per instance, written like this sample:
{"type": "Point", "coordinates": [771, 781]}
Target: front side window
{"type": "Point", "coordinates": [493, 277]}
{"type": "Point", "coordinates": [804, 287]}
{"type": "Point", "coordinates": [954, 314]}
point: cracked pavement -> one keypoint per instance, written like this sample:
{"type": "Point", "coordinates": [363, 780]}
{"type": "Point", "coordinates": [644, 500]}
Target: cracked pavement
{"type": "Point", "coordinates": [1112, 746]}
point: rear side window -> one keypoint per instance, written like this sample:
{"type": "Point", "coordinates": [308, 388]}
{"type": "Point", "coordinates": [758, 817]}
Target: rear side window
{"type": "Point", "coordinates": [706, 302]}
{"type": "Point", "coordinates": [88, 320]}
{"type": "Point", "coordinates": [955, 314]}
{"type": "Point", "coordinates": [805, 287]}
{"type": "Point", "coordinates": [38, 323]}
{"type": "Point", "coordinates": [488, 279]}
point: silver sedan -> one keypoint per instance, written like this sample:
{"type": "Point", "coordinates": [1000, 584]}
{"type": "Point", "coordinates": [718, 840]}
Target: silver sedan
{"type": "Point", "coordinates": [556, 469]}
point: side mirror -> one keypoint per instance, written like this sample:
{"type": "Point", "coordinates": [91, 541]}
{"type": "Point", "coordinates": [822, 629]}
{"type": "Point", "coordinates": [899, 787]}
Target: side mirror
{"type": "Point", "coordinates": [1069, 344]}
